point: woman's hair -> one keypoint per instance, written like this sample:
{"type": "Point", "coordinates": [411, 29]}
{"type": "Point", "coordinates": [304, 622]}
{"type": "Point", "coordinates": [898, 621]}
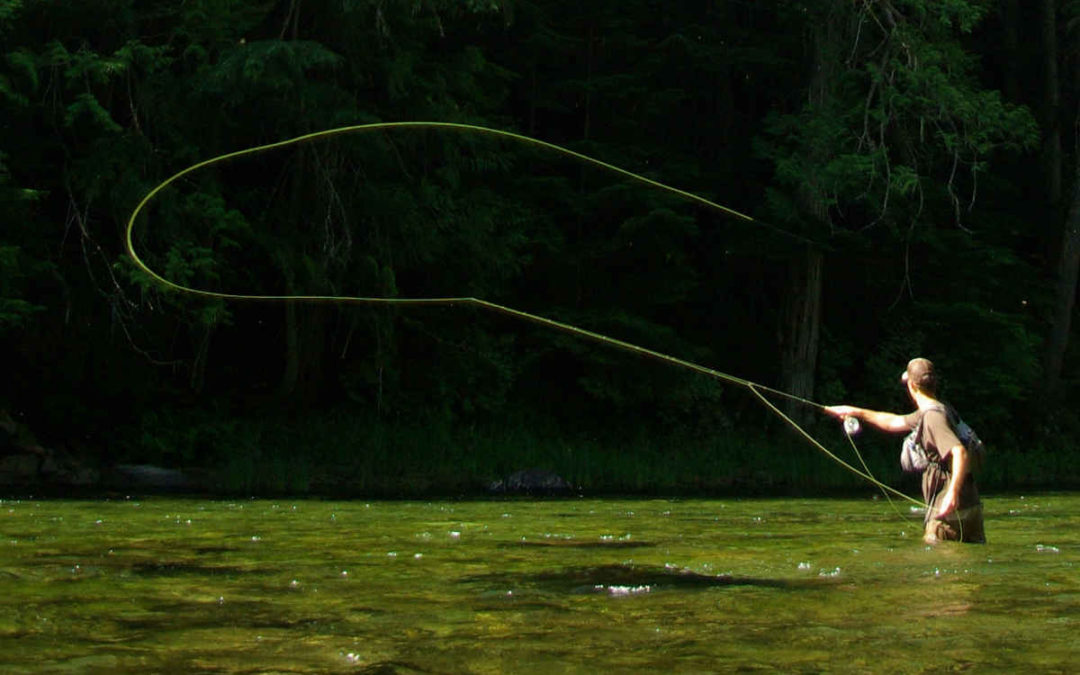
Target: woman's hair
{"type": "Point", "coordinates": [920, 372]}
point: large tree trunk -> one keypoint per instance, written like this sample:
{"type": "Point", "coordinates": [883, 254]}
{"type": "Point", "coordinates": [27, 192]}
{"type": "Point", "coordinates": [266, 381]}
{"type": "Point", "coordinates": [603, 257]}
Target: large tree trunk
{"type": "Point", "coordinates": [301, 350]}
{"type": "Point", "coordinates": [801, 329]}
{"type": "Point", "coordinates": [290, 375]}
{"type": "Point", "coordinates": [801, 318]}
{"type": "Point", "coordinates": [1057, 342]}
{"type": "Point", "coordinates": [1051, 108]}
{"type": "Point", "coordinates": [1010, 21]}
{"type": "Point", "coordinates": [1065, 301]}
{"type": "Point", "coordinates": [305, 345]}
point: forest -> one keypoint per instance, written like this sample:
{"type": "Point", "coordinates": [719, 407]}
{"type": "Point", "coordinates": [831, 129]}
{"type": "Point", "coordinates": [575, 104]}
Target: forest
{"type": "Point", "coordinates": [909, 169]}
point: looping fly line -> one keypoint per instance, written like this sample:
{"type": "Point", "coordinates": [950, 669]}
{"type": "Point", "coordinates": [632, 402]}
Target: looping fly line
{"type": "Point", "coordinates": [756, 389]}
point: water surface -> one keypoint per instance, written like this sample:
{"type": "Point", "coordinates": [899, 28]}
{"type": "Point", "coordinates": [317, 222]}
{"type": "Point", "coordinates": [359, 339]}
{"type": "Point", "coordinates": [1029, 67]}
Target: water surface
{"type": "Point", "coordinates": [584, 585]}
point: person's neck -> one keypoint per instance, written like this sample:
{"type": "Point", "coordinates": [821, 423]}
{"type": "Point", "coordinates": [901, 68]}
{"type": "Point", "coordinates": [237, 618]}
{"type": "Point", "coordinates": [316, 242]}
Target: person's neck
{"type": "Point", "coordinates": [925, 401]}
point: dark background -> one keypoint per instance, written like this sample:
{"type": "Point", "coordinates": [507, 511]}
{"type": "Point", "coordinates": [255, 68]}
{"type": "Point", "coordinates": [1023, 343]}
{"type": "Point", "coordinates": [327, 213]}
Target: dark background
{"type": "Point", "coordinates": [911, 165]}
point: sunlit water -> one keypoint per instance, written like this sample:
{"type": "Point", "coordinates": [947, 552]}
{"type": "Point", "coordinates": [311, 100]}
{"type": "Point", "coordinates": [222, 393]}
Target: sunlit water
{"type": "Point", "coordinates": [583, 585]}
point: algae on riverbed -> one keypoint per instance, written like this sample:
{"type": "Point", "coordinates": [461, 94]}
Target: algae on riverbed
{"type": "Point", "coordinates": [531, 586]}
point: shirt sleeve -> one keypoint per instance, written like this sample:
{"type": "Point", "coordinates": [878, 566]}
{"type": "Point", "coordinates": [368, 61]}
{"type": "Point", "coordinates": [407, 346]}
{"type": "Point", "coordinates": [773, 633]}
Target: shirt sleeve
{"type": "Point", "coordinates": [911, 420]}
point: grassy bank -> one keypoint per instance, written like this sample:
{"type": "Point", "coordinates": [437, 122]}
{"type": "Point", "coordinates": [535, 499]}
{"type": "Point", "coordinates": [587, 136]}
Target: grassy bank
{"type": "Point", "coordinates": [347, 455]}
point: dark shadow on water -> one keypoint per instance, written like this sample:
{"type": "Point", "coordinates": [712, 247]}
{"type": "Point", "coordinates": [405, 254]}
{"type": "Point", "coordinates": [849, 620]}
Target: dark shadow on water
{"type": "Point", "coordinates": [207, 550]}
{"type": "Point", "coordinates": [263, 615]}
{"type": "Point", "coordinates": [391, 668]}
{"type": "Point", "coordinates": [184, 568]}
{"type": "Point", "coordinates": [604, 577]}
{"type": "Point", "coordinates": [578, 544]}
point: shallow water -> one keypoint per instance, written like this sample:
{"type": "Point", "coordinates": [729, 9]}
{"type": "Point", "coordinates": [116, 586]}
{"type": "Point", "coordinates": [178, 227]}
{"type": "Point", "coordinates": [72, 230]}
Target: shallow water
{"type": "Point", "coordinates": [587, 585]}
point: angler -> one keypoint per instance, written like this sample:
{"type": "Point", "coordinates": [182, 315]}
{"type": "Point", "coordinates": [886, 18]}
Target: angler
{"type": "Point", "coordinates": [954, 511]}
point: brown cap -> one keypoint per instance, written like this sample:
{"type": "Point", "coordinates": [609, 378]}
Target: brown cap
{"type": "Point", "coordinates": [920, 372]}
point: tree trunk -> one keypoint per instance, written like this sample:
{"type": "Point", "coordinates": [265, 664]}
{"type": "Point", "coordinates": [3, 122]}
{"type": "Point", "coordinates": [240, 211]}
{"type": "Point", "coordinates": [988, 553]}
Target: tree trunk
{"type": "Point", "coordinates": [305, 345]}
{"type": "Point", "coordinates": [801, 317]}
{"type": "Point", "coordinates": [590, 56]}
{"type": "Point", "coordinates": [202, 356]}
{"type": "Point", "coordinates": [1010, 20]}
{"type": "Point", "coordinates": [1057, 342]}
{"type": "Point", "coordinates": [291, 373]}
{"type": "Point", "coordinates": [800, 330]}
{"type": "Point", "coordinates": [1051, 109]}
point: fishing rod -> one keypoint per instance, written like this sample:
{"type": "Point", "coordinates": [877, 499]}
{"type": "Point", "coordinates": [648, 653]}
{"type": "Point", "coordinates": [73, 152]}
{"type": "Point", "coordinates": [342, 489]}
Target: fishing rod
{"type": "Point", "coordinates": [758, 390]}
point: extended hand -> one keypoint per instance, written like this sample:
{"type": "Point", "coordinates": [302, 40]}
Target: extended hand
{"type": "Point", "coordinates": [841, 410]}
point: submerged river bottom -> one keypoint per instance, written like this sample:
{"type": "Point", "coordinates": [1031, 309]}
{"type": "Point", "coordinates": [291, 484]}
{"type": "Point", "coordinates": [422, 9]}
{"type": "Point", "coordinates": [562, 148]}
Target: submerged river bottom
{"type": "Point", "coordinates": [583, 585]}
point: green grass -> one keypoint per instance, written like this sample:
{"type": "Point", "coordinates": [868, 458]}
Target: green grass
{"type": "Point", "coordinates": [347, 454]}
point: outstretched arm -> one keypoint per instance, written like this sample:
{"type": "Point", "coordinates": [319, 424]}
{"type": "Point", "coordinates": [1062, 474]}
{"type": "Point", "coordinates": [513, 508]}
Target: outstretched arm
{"type": "Point", "coordinates": [886, 421]}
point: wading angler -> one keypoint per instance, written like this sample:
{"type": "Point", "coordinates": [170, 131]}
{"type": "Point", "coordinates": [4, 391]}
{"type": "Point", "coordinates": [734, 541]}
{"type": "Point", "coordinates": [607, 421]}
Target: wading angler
{"type": "Point", "coordinates": [939, 445]}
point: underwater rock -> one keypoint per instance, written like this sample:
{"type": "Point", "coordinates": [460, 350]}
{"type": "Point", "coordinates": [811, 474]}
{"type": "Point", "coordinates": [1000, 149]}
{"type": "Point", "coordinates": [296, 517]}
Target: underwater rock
{"type": "Point", "coordinates": [532, 482]}
{"type": "Point", "coordinates": [150, 476]}
{"type": "Point", "coordinates": [25, 462]}
{"type": "Point", "coordinates": [19, 469]}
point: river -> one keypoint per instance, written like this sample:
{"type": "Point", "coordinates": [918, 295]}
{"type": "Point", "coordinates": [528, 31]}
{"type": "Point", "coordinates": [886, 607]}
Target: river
{"type": "Point", "coordinates": [163, 584]}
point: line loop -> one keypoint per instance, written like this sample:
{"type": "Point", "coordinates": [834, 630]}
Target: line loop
{"type": "Point", "coordinates": [757, 389]}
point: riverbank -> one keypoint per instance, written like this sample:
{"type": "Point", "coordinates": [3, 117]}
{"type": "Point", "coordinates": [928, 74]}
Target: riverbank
{"type": "Point", "coordinates": [339, 455]}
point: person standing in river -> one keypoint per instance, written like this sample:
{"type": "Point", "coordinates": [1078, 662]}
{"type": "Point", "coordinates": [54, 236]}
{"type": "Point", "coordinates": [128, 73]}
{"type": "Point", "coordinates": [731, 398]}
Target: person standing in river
{"type": "Point", "coordinates": [954, 511]}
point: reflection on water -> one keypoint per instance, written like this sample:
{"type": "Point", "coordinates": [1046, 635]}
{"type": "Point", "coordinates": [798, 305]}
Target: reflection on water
{"type": "Point", "coordinates": [531, 586]}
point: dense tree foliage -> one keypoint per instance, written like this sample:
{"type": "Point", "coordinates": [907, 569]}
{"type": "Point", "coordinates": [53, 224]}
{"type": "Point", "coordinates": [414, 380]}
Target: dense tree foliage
{"type": "Point", "coordinates": [893, 152]}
